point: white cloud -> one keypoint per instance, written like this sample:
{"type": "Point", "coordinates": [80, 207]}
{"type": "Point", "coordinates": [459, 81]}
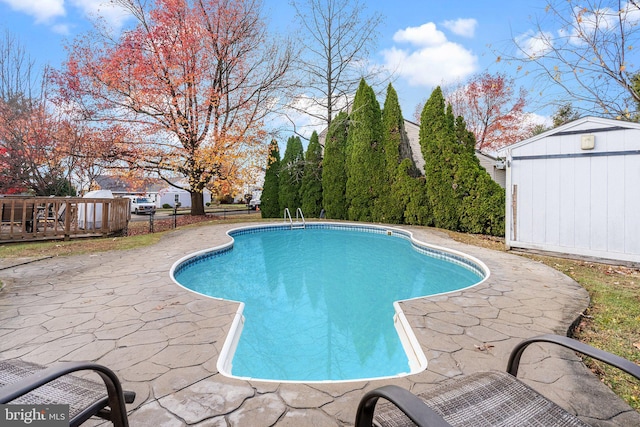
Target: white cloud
{"type": "Point", "coordinates": [50, 12]}
{"type": "Point", "coordinates": [42, 10]}
{"type": "Point", "coordinates": [114, 15]}
{"type": "Point", "coordinates": [424, 35]}
{"type": "Point", "coordinates": [581, 26]}
{"type": "Point", "coordinates": [533, 45]}
{"type": "Point", "coordinates": [433, 61]}
{"type": "Point", "coordinates": [586, 23]}
{"type": "Point", "coordinates": [462, 27]}
{"type": "Point", "coordinates": [61, 29]}
{"type": "Point", "coordinates": [537, 119]}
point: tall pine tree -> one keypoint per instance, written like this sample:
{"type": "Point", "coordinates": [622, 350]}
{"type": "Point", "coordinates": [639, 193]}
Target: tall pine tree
{"type": "Point", "coordinates": [481, 199]}
{"type": "Point", "coordinates": [365, 156]}
{"type": "Point", "coordinates": [270, 199]}
{"type": "Point", "coordinates": [311, 190]}
{"type": "Point", "coordinates": [391, 204]}
{"type": "Point", "coordinates": [334, 172]}
{"type": "Point", "coordinates": [438, 144]}
{"type": "Point", "coordinates": [411, 193]}
{"type": "Point", "coordinates": [291, 172]}
{"type": "Point", "coordinates": [461, 194]}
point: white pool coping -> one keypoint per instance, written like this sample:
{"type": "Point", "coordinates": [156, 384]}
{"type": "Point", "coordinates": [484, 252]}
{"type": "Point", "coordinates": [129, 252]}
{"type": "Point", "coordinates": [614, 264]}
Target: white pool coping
{"type": "Point", "coordinates": [417, 360]}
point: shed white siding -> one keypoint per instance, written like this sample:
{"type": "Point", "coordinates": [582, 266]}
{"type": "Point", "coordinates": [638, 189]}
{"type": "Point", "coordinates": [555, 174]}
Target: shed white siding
{"type": "Point", "coordinates": [566, 199]}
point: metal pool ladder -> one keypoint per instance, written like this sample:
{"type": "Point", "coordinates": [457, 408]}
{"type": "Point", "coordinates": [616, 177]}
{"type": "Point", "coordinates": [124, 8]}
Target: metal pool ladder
{"type": "Point", "coordinates": [300, 223]}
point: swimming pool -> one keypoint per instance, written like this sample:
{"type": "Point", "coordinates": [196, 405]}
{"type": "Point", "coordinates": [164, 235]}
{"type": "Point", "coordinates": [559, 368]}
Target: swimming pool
{"type": "Point", "coordinates": [320, 304]}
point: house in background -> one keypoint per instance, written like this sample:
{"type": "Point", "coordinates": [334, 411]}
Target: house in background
{"type": "Point", "coordinates": [575, 189]}
{"type": "Point", "coordinates": [157, 190]}
{"type": "Point", "coordinates": [495, 167]}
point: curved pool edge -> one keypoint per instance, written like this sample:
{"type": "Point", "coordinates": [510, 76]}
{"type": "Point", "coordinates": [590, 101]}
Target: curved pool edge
{"type": "Point", "coordinates": [418, 361]}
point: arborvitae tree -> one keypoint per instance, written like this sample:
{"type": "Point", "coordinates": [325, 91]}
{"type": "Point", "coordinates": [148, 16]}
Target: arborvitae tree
{"type": "Point", "coordinates": [482, 203]}
{"type": "Point", "coordinates": [464, 136]}
{"type": "Point", "coordinates": [438, 143]}
{"type": "Point", "coordinates": [463, 196]}
{"type": "Point", "coordinates": [365, 155]}
{"type": "Point", "coordinates": [392, 128]}
{"type": "Point", "coordinates": [389, 206]}
{"type": "Point", "coordinates": [334, 172]}
{"type": "Point", "coordinates": [291, 171]}
{"type": "Point", "coordinates": [411, 193]}
{"type": "Point", "coordinates": [269, 201]}
{"type": "Point", "coordinates": [311, 190]}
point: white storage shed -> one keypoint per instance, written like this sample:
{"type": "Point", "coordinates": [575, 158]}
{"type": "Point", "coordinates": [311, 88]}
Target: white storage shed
{"type": "Point", "coordinates": [575, 189]}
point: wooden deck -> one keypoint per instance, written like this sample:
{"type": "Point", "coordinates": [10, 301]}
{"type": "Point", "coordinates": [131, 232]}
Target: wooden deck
{"type": "Point", "coordinates": [61, 218]}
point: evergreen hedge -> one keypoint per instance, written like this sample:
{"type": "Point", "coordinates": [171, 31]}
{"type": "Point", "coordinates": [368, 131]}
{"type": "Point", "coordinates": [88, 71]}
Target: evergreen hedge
{"type": "Point", "coordinates": [363, 178]}
{"type": "Point", "coordinates": [270, 199]}
{"type": "Point", "coordinates": [334, 172]}
{"type": "Point", "coordinates": [311, 189]}
{"type": "Point", "coordinates": [462, 195]}
{"type": "Point", "coordinates": [391, 204]}
{"type": "Point", "coordinates": [291, 172]}
{"type": "Point", "coordinates": [365, 156]}
{"type": "Point", "coordinates": [437, 141]}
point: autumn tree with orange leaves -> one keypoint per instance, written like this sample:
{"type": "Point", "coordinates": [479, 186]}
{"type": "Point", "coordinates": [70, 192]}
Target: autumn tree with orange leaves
{"type": "Point", "coordinates": [47, 153]}
{"type": "Point", "coordinates": [493, 109]}
{"type": "Point", "coordinates": [33, 157]}
{"type": "Point", "coordinates": [190, 81]}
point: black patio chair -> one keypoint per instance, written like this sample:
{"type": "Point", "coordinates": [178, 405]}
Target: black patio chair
{"type": "Point", "coordinates": [23, 383]}
{"type": "Point", "coordinates": [482, 399]}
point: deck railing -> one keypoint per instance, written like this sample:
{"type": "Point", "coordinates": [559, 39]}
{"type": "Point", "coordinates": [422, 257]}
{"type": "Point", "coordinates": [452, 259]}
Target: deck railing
{"type": "Point", "coordinates": [44, 218]}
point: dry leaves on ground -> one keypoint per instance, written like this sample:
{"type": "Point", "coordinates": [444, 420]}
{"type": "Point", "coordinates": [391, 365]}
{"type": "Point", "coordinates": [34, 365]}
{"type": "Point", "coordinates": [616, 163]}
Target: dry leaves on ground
{"type": "Point", "coordinates": [484, 347]}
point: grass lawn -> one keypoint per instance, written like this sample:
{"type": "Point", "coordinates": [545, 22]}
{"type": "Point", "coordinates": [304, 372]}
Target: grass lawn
{"type": "Point", "coordinates": [611, 323]}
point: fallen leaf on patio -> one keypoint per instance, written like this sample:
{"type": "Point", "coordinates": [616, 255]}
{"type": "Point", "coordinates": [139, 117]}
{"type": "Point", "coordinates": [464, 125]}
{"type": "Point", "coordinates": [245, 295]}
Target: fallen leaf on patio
{"type": "Point", "coordinates": [484, 346]}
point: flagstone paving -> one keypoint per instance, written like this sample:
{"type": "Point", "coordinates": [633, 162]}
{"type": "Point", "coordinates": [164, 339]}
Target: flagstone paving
{"type": "Point", "coordinates": [121, 309]}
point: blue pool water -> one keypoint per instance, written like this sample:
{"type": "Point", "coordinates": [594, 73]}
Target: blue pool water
{"type": "Point", "coordinates": [319, 302]}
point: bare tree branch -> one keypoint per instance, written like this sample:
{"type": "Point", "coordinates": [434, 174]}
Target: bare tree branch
{"type": "Point", "coordinates": [587, 50]}
{"type": "Point", "coordinates": [336, 37]}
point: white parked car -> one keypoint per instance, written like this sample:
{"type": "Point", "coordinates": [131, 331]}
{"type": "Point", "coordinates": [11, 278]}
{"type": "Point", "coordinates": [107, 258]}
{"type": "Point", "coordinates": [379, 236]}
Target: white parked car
{"type": "Point", "coordinates": [254, 204]}
{"type": "Point", "coordinates": [141, 205]}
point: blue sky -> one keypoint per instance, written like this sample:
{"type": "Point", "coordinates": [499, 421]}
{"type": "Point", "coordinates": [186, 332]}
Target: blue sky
{"type": "Point", "coordinates": [428, 42]}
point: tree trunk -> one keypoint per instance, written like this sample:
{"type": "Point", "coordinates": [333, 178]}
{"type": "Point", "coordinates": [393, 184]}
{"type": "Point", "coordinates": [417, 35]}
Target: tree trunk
{"type": "Point", "coordinates": [197, 203]}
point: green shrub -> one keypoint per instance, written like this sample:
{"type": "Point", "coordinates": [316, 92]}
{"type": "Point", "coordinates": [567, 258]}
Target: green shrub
{"type": "Point", "coordinates": [226, 199]}
{"type": "Point", "coordinates": [311, 189]}
{"type": "Point", "coordinates": [461, 194]}
{"type": "Point", "coordinates": [291, 172]}
{"type": "Point", "coordinates": [365, 156]}
{"type": "Point", "coordinates": [269, 201]}
{"type": "Point", "coordinates": [391, 203]}
{"type": "Point", "coordinates": [334, 172]}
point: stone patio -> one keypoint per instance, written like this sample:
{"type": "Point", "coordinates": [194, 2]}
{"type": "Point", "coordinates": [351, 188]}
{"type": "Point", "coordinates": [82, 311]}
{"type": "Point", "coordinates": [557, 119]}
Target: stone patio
{"type": "Point", "coordinates": [121, 309]}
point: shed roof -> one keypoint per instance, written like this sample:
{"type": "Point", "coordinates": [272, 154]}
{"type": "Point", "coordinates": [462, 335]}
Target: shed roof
{"type": "Point", "coordinates": [583, 125]}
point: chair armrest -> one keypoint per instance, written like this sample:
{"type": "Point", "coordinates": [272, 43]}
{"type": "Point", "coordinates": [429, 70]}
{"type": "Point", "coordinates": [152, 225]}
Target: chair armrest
{"type": "Point", "coordinates": [608, 358]}
{"type": "Point", "coordinates": [115, 394]}
{"type": "Point", "coordinates": [412, 406]}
